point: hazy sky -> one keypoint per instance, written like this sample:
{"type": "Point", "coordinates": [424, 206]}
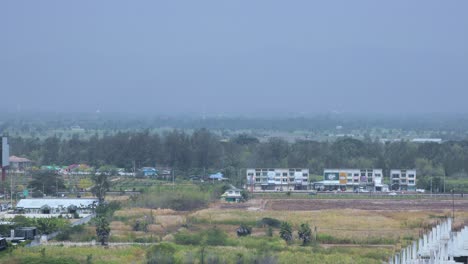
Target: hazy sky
{"type": "Point", "coordinates": [232, 56]}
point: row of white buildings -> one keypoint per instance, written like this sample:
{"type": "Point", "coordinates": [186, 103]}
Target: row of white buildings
{"type": "Point", "coordinates": [289, 179]}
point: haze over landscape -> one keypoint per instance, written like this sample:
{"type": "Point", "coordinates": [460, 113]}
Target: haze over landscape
{"type": "Point", "coordinates": [207, 132]}
{"type": "Point", "coordinates": [234, 57]}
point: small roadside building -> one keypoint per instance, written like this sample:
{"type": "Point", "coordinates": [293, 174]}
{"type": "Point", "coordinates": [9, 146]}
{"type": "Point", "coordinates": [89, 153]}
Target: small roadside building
{"type": "Point", "coordinates": [57, 206]}
{"type": "Point", "coordinates": [19, 164]}
{"type": "Point", "coordinates": [148, 172]}
{"type": "Point", "coordinates": [217, 176]}
{"type": "Point", "coordinates": [3, 243]}
{"type": "Point", "coordinates": [232, 195]}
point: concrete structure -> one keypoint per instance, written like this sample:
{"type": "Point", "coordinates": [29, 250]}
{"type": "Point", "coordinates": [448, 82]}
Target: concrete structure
{"type": "Point", "coordinates": [440, 245]}
{"type": "Point", "coordinates": [277, 179]}
{"type": "Point", "coordinates": [57, 206]}
{"type": "Point", "coordinates": [403, 180]}
{"type": "Point", "coordinates": [351, 179]}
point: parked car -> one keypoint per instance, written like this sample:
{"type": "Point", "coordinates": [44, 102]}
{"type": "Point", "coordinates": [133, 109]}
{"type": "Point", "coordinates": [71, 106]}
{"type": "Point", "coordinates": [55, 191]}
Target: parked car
{"type": "Point", "coordinates": [420, 190]}
{"type": "Point", "coordinates": [393, 193]}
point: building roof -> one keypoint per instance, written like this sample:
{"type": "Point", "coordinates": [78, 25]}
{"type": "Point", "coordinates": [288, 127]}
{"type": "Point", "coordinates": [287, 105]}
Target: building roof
{"type": "Point", "coordinates": [18, 159]}
{"type": "Point", "coordinates": [55, 203]}
{"type": "Point", "coordinates": [425, 140]}
{"type": "Point", "coordinates": [217, 175]}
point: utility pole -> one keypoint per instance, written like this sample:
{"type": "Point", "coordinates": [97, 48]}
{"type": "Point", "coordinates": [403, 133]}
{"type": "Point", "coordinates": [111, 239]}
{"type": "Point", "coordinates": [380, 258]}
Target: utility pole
{"type": "Point", "coordinates": [444, 183]}
{"type": "Point", "coordinates": [11, 189]}
{"type": "Point", "coordinates": [431, 186]}
{"type": "Point", "coordinates": [453, 205]}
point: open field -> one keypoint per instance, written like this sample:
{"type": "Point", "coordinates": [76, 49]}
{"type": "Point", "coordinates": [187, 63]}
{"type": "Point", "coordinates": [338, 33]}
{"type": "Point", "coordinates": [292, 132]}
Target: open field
{"type": "Point", "coordinates": [344, 230]}
{"type": "Point", "coordinates": [366, 204]}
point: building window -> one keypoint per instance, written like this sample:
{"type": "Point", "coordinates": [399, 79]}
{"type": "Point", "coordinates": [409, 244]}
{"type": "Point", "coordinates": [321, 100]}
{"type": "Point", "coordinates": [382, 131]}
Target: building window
{"type": "Point", "coordinates": [264, 173]}
{"type": "Point", "coordinates": [411, 175]}
{"type": "Point", "coordinates": [285, 174]}
{"type": "Point", "coordinates": [377, 175]}
{"type": "Point", "coordinates": [257, 180]}
{"type": "Point", "coordinates": [411, 182]}
{"type": "Point", "coordinates": [291, 174]}
{"type": "Point", "coordinates": [250, 174]}
{"type": "Point", "coordinates": [395, 176]}
{"type": "Point", "coordinates": [257, 174]}
{"type": "Point", "coordinates": [278, 174]}
{"type": "Point", "coordinates": [356, 174]}
{"type": "Point", "coordinates": [369, 174]}
{"type": "Point", "coordinates": [305, 174]}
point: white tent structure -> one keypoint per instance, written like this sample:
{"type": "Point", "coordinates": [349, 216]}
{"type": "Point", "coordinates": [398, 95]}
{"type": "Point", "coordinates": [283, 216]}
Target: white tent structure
{"type": "Point", "coordinates": [57, 206]}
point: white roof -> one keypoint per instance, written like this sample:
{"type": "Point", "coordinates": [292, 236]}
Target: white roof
{"type": "Point", "coordinates": [55, 203]}
{"type": "Point", "coordinates": [422, 140]}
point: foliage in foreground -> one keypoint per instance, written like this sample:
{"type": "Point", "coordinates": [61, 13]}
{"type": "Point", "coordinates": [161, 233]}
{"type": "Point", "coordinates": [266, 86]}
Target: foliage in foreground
{"type": "Point", "coordinates": [211, 237]}
{"type": "Point", "coordinates": [43, 225]}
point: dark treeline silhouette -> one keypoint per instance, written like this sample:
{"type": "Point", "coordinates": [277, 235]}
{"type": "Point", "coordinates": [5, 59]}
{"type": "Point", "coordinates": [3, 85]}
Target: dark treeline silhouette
{"type": "Point", "coordinates": [204, 149]}
{"type": "Point", "coordinates": [38, 123]}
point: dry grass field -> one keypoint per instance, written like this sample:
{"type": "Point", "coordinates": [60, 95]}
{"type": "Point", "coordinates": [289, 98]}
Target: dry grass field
{"type": "Point", "coordinates": [357, 233]}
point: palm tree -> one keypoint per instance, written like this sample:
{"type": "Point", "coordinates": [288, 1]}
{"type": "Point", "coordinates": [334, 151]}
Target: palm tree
{"type": "Point", "coordinates": [305, 233]}
{"type": "Point", "coordinates": [286, 232]}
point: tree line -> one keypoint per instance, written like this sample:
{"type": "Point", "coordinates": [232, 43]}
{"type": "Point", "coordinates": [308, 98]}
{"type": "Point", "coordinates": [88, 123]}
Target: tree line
{"type": "Point", "coordinates": [203, 149]}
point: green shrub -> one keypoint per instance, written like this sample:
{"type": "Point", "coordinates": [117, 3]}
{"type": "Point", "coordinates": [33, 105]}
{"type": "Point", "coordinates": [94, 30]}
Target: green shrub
{"type": "Point", "coordinates": [270, 222]}
{"type": "Point", "coordinates": [181, 198]}
{"type": "Point", "coordinates": [185, 238]}
{"type": "Point", "coordinates": [269, 231]}
{"type": "Point", "coordinates": [243, 230]}
{"type": "Point", "coordinates": [161, 254]}
{"type": "Point", "coordinates": [286, 232]}
{"type": "Point", "coordinates": [49, 260]}
{"type": "Point", "coordinates": [68, 231]}
{"type": "Point", "coordinates": [211, 237]}
{"type": "Point", "coordinates": [215, 237]}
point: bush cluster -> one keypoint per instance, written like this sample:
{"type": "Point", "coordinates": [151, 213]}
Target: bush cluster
{"type": "Point", "coordinates": [211, 237]}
